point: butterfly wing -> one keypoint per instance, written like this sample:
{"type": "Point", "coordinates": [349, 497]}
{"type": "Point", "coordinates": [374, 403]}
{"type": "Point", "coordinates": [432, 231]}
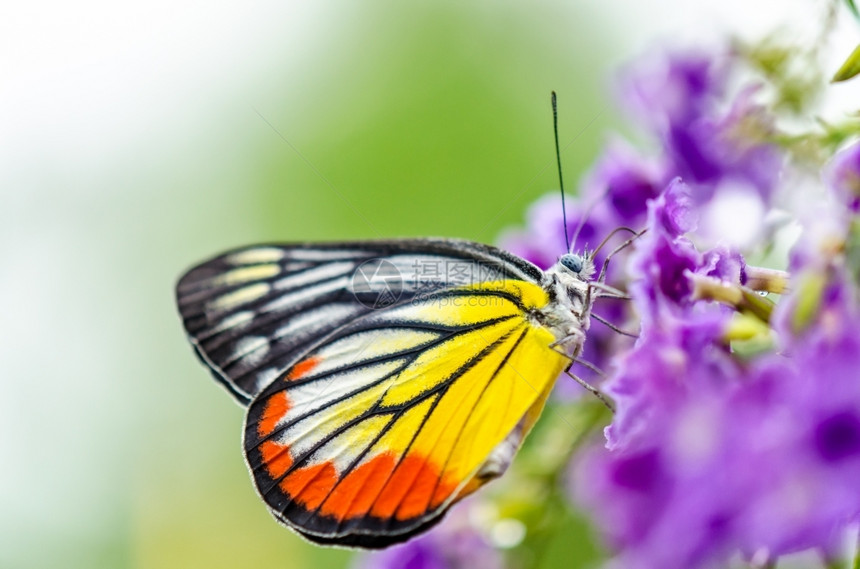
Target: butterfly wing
{"type": "Point", "coordinates": [374, 432]}
{"type": "Point", "coordinates": [250, 312]}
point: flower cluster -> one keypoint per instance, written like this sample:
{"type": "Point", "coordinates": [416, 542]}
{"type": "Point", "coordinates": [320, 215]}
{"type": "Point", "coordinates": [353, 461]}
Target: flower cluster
{"type": "Point", "coordinates": [736, 432]}
{"type": "Point", "coordinates": [715, 453]}
{"type": "Point", "coordinates": [712, 454]}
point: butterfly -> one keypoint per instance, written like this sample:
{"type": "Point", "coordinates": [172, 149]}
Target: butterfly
{"type": "Point", "coordinates": [384, 380]}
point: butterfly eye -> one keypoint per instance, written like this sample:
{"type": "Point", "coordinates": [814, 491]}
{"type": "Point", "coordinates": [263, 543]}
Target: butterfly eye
{"type": "Point", "coordinates": [572, 262]}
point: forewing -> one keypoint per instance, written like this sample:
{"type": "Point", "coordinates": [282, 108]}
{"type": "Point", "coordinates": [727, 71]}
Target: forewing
{"type": "Point", "coordinates": [251, 312]}
{"type": "Point", "coordinates": [376, 431]}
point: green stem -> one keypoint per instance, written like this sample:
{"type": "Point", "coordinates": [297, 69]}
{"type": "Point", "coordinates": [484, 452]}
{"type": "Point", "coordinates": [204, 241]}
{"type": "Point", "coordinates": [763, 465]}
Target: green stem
{"type": "Point", "coordinates": [767, 280]}
{"type": "Point", "coordinates": [856, 563]}
{"type": "Point", "coordinates": [740, 298]}
{"type": "Point", "coordinates": [837, 562]}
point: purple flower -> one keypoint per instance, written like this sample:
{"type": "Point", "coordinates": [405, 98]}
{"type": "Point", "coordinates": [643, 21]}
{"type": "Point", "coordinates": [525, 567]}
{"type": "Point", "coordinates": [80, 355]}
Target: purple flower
{"type": "Point", "coordinates": [663, 257]}
{"type": "Point", "coordinates": [623, 181]}
{"type": "Point", "coordinates": [742, 146]}
{"type": "Point", "coordinates": [813, 421]}
{"type": "Point", "coordinates": [646, 378]}
{"type": "Point", "coordinates": [453, 544]}
{"type": "Point", "coordinates": [419, 553]}
{"type": "Point", "coordinates": [680, 97]}
{"type": "Point", "coordinates": [677, 89]}
{"type": "Point", "coordinates": [843, 175]}
{"type": "Point", "coordinates": [673, 211]}
{"type": "Point", "coordinates": [708, 455]}
{"type": "Point", "coordinates": [712, 151]}
{"type": "Point", "coordinates": [724, 264]}
{"type": "Point", "coordinates": [836, 437]}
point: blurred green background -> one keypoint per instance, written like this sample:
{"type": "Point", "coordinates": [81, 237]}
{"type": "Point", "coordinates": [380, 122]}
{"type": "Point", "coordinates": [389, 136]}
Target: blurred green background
{"type": "Point", "coordinates": [139, 140]}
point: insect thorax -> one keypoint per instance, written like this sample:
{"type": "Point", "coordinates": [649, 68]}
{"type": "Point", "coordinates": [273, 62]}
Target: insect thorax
{"type": "Point", "coordinates": [567, 313]}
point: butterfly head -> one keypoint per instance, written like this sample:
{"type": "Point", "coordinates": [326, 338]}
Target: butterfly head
{"type": "Point", "coordinates": [580, 266]}
{"type": "Point", "coordinates": [572, 262]}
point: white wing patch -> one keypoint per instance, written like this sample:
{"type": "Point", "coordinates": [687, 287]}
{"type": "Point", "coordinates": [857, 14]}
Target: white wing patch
{"type": "Point", "coordinates": [346, 447]}
{"type": "Point", "coordinates": [246, 274]}
{"type": "Point", "coordinates": [305, 434]}
{"type": "Point", "coordinates": [237, 320]}
{"type": "Point", "coordinates": [265, 377]}
{"type": "Point", "coordinates": [369, 344]}
{"type": "Point", "coordinates": [306, 322]}
{"type": "Point", "coordinates": [320, 273]}
{"type": "Point", "coordinates": [319, 393]}
{"type": "Point", "coordinates": [239, 297]}
{"type": "Point", "coordinates": [292, 299]}
{"type": "Point", "coordinates": [257, 255]}
{"type": "Point", "coordinates": [251, 350]}
{"type": "Point", "coordinates": [313, 254]}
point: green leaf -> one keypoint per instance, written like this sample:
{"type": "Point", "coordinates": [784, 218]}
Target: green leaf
{"type": "Point", "coordinates": [853, 8]}
{"type": "Point", "coordinates": [850, 68]}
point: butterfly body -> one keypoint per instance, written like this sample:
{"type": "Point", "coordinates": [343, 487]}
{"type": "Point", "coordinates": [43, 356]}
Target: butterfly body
{"type": "Point", "coordinates": [567, 314]}
{"type": "Point", "coordinates": [384, 380]}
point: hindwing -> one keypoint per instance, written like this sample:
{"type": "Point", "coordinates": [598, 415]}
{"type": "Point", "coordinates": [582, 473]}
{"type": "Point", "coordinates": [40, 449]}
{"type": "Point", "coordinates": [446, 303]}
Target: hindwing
{"type": "Point", "coordinates": [374, 432]}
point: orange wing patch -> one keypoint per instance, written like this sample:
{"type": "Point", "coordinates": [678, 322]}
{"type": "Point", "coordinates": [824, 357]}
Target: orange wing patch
{"type": "Point", "coordinates": [277, 407]}
{"type": "Point", "coordinates": [276, 457]}
{"type": "Point", "coordinates": [356, 493]}
{"type": "Point", "coordinates": [303, 368]}
{"type": "Point", "coordinates": [428, 490]}
{"type": "Point", "coordinates": [413, 478]}
{"type": "Point", "coordinates": [311, 485]}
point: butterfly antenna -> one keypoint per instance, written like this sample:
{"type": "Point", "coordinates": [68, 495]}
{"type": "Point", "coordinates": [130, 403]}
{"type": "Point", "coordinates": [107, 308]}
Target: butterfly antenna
{"type": "Point", "coordinates": [558, 161]}
{"type": "Point", "coordinates": [636, 235]}
{"type": "Point", "coordinates": [612, 234]}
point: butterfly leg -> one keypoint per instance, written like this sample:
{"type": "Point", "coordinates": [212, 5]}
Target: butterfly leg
{"type": "Point", "coordinates": [611, 291]}
{"type": "Point", "coordinates": [587, 364]}
{"type": "Point", "coordinates": [580, 361]}
{"type": "Point", "coordinates": [612, 326]}
{"type": "Point", "coordinates": [594, 391]}
{"type": "Point", "coordinates": [575, 338]}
